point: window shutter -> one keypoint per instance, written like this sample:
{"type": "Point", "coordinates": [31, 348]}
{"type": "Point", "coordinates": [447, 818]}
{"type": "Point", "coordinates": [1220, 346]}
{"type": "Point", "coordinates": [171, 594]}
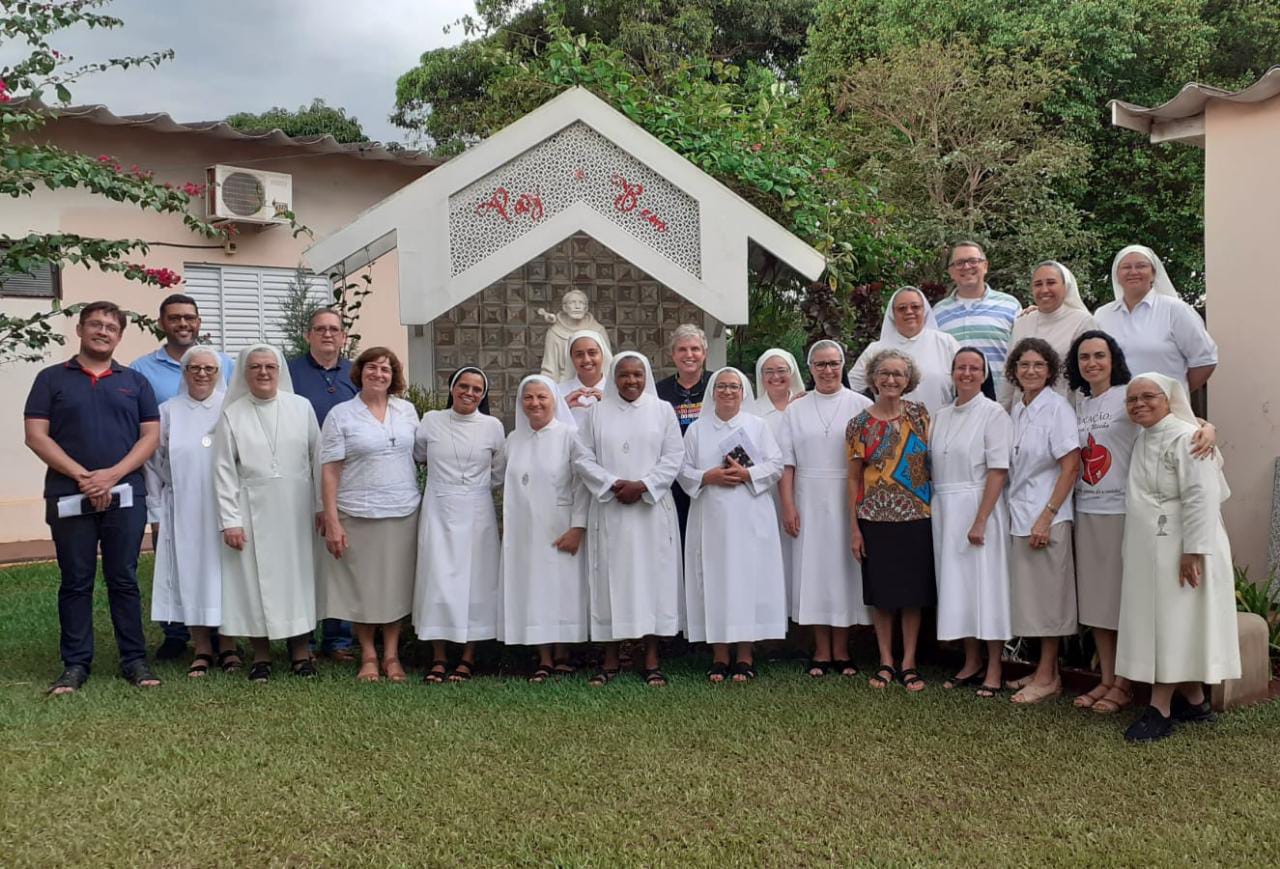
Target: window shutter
{"type": "Point", "coordinates": [43, 283]}
{"type": "Point", "coordinates": [240, 306]}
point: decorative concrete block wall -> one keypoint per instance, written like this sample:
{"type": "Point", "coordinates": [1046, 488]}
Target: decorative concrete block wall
{"type": "Point", "coordinates": [499, 329]}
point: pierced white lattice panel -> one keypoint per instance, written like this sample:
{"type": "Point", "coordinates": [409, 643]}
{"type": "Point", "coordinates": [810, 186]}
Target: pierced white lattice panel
{"type": "Point", "coordinates": [576, 164]}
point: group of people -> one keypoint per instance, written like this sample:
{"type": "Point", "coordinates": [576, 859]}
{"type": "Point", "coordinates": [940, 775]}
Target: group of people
{"type": "Point", "coordinates": [1004, 466]}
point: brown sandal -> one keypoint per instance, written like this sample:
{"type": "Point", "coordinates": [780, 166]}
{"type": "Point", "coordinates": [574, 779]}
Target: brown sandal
{"type": "Point", "coordinates": [365, 673]}
{"type": "Point", "coordinates": [1107, 706]}
{"type": "Point", "coordinates": [1086, 700]}
{"type": "Point", "coordinates": [394, 670]}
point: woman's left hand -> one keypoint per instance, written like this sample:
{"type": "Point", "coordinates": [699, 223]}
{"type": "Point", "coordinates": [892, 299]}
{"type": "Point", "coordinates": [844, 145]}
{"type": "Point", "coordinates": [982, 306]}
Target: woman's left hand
{"type": "Point", "coordinates": [1204, 440]}
{"type": "Point", "coordinates": [1190, 570]}
{"type": "Point", "coordinates": [569, 541]}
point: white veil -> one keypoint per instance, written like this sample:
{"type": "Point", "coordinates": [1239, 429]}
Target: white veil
{"type": "Point", "coordinates": [219, 384]}
{"type": "Point", "coordinates": [1162, 284]}
{"type": "Point", "coordinates": [797, 382]}
{"type": "Point", "coordinates": [889, 331]}
{"type": "Point", "coordinates": [562, 414]}
{"type": "Point", "coordinates": [709, 407]}
{"type": "Point", "coordinates": [1072, 298]}
{"type": "Point", "coordinates": [1179, 404]}
{"type": "Point", "coordinates": [611, 384]}
{"type": "Point", "coordinates": [239, 387]}
{"type": "Point", "coordinates": [600, 342]}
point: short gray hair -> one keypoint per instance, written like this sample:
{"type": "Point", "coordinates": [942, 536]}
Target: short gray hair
{"type": "Point", "coordinates": [913, 370]}
{"type": "Point", "coordinates": [687, 330]}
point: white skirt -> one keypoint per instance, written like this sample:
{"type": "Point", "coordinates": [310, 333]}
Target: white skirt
{"type": "Point", "coordinates": [973, 581]}
{"type": "Point", "coordinates": [455, 594]}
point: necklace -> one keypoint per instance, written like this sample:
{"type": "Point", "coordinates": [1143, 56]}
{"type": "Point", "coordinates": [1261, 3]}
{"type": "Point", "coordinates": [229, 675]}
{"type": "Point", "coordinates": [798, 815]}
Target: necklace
{"type": "Point", "coordinates": [273, 439]}
{"type": "Point", "coordinates": [826, 423]}
{"type": "Point", "coordinates": [463, 466]}
{"type": "Point", "coordinates": [948, 442]}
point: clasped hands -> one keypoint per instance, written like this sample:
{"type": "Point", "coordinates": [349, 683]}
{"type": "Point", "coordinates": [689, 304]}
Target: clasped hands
{"type": "Point", "coordinates": [730, 475]}
{"type": "Point", "coordinates": [96, 486]}
{"type": "Point", "coordinates": [628, 491]}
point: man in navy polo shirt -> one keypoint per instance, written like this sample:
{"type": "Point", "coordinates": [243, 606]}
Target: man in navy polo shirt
{"type": "Point", "coordinates": [180, 322]}
{"type": "Point", "coordinates": [94, 423]}
{"type": "Point", "coordinates": [323, 377]}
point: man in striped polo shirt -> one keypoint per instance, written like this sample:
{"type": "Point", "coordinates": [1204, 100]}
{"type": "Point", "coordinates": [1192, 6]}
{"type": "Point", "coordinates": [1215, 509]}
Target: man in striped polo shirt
{"type": "Point", "coordinates": [973, 313]}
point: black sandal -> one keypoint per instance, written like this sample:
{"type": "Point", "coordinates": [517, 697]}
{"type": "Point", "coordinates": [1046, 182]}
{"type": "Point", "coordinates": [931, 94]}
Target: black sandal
{"type": "Point", "coordinates": [603, 676]}
{"type": "Point", "coordinates": [460, 675]}
{"type": "Point", "coordinates": [655, 677]}
{"type": "Point", "coordinates": [986, 692]}
{"type": "Point", "coordinates": [958, 681]}
{"type": "Point", "coordinates": [260, 672]}
{"type": "Point", "coordinates": [909, 677]}
{"type": "Point", "coordinates": [564, 668]}
{"type": "Point", "coordinates": [885, 675]}
{"type": "Point", "coordinates": [72, 677]}
{"type": "Point", "coordinates": [718, 668]}
{"type": "Point", "coordinates": [844, 667]}
{"type": "Point", "coordinates": [741, 668]}
{"type": "Point", "coordinates": [540, 675]}
{"type": "Point", "coordinates": [823, 668]}
{"type": "Point", "coordinates": [199, 665]}
{"type": "Point", "coordinates": [137, 673]}
{"type": "Point", "coordinates": [227, 665]}
{"type": "Point", "coordinates": [304, 668]}
{"type": "Point", "coordinates": [436, 675]}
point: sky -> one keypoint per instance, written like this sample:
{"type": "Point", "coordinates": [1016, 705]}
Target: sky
{"type": "Point", "coordinates": [251, 55]}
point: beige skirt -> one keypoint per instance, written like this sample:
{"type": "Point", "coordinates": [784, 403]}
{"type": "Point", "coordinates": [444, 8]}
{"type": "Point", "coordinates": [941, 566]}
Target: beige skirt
{"type": "Point", "coordinates": [373, 581]}
{"type": "Point", "coordinates": [1043, 585]}
{"type": "Point", "coordinates": [1099, 568]}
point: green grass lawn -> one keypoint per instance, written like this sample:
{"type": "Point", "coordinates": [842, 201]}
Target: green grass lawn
{"type": "Point", "coordinates": [786, 771]}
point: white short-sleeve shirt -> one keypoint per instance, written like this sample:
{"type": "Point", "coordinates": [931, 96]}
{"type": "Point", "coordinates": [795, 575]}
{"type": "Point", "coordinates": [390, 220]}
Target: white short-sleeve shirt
{"type": "Point", "coordinates": [1043, 432]}
{"type": "Point", "coordinates": [379, 478]}
{"type": "Point", "coordinates": [1160, 334]}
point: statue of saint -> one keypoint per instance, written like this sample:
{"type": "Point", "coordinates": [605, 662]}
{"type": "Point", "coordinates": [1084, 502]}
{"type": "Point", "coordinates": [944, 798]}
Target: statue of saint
{"type": "Point", "coordinates": [574, 316]}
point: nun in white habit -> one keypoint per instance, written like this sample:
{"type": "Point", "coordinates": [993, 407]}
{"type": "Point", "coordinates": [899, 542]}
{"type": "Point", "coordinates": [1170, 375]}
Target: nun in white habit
{"type": "Point", "coordinates": [629, 452]}
{"type": "Point", "coordinates": [267, 481]}
{"type": "Point", "coordinates": [589, 353]}
{"type": "Point", "coordinates": [543, 600]}
{"type": "Point", "coordinates": [969, 449]}
{"type": "Point", "coordinates": [778, 383]}
{"type": "Point", "coordinates": [1177, 598]}
{"type": "Point", "coordinates": [734, 585]}
{"type": "Point", "coordinates": [826, 580]}
{"type": "Point", "coordinates": [1059, 317]}
{"type": "Point", "coordinates": [180, 501]}
{"type": "Point", "coordinates": [910, 326]}
{"type": "Point", "coordinates": [459, 555]}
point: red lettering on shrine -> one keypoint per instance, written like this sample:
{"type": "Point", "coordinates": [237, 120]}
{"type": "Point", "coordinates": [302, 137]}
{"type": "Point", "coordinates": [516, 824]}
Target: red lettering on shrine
{"type": "Point", "coordinates": [629, 198]}
{"type": "Point", "coordinates": [526, 204]}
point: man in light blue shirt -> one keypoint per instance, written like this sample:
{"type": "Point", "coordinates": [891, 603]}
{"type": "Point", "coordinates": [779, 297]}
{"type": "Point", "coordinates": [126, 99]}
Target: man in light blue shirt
{"type": "Point", "coordinates": [180, 322]}
{"type": "Point", "coordinates": [973, 313]}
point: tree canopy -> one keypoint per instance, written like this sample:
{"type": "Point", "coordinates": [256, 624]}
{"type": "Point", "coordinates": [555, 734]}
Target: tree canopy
{"type": "Point", "coordinates": [316, 119]}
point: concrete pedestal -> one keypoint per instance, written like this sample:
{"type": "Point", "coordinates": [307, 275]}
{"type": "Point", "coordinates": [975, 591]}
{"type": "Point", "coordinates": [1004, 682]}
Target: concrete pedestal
{"type": "Point", "coordinates": [1255, 667]}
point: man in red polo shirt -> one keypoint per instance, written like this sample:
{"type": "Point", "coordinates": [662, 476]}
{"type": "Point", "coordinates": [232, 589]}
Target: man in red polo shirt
{"type": "Point", "coordinates": [94, 423]}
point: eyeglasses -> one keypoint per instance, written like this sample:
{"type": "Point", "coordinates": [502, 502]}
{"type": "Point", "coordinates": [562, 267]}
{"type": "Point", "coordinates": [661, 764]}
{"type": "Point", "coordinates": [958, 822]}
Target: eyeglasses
{"type": "Point", "coordinates": [110, 326]}
{"type": "Point", "coordinates": [1037, 365]}
{"type": "Point", "coordinates": [1135, 267]}
{"type": "Point", "coordinates": [204, 369]}
{"type": "Point", "coordinates": [263, 366]}
{"type": "Point", "coordinates": [777, 372]}
{"type": "Point", "coordinates": [728, 387]}
{"type": "Point", "coordinates": [1143, 398]}
{"type": "Point", "coordinates": [327, 330]}
{"type": "Point", "coordinates": [182, 318]}
{"type": "Point", "coordinates": [966, 262]}
{"type": "Point", "coordinates": [825, 366]}
{"type": "Point", "coordinates": [891, 375]}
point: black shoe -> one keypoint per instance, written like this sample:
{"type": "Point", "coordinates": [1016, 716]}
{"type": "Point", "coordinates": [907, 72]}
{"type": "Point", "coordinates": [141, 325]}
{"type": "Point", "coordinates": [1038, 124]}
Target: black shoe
{"type": "Point", "coordinates": [1151, 727]}
{"type": "Point", "coordinates": [171, 649]}
{"type": "Point", "coordinates": [1184, 712]}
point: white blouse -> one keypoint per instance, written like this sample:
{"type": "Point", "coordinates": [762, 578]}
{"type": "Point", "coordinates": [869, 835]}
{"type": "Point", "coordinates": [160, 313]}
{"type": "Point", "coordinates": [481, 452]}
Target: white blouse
{"type": "Point", "coordinates": [1043, 432]}
{"type": "Point", "coordinates": [379, 479]}
{"type": "Point", "coordinates": [1160, 334]}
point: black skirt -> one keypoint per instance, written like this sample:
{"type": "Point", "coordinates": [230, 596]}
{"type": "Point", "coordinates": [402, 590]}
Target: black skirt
{"type": "Point", "coordinates": [897, 571]}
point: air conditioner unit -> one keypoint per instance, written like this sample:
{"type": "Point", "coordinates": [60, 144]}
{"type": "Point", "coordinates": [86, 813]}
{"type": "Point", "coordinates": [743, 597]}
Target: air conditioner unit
{"type": "Point", "coordinates": [247, 195]}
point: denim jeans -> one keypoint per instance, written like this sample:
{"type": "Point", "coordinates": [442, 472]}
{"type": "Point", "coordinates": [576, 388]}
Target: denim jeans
{"type": "Point", "coordinates": [76, 540]}
{"type": "Point", "coordinates": [337, 635]}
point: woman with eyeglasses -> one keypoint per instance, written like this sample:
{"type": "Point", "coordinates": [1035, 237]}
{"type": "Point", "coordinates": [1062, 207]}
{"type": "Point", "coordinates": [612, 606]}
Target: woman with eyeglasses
{"type": "Point", "coordinates": [1042, 472]}
{"type": "Point", "coordinates": [910, 326]}
{"type": "Point", "coordinates": [826, 580]}
{"type": "Point", "coordinates": [889, 490]}
{"type": "Point", "coordinates": [1177, 607]}
{"type": "Point", "coordinates": [459, 554]}
{"type": "Point", "coordinates": [734, 592]}
{"type": "Point", "coordinates": [1156, 329]}
{"type": "Point", "coordinates": [187, 587]}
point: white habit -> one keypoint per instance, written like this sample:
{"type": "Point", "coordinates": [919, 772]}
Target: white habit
{"type": "Point", "coordinates": [543, 590]}
{"type": "Point", "coordinates": [826, 579]}
{"type": "Point", "coordinates": [973, 581]}
{"type": "Point", "coordinates": [186, 589]}
{"type": "Point", "coordinates": [634, 549]}
{"type": "Point", "coordinates": [459, 555]}
{"type": "Point", "coordinates": [266, 473]}
{"type": "Point", "coordinates": [931, 349]}
{"type": "Point", "coordinates": [734, 582]}
{"type": "Point", "coordinates": [1171, 632]}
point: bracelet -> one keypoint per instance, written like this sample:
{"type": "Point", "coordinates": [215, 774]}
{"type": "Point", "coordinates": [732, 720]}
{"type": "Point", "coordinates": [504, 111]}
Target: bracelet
{"type": "Point", "coordinates": [1052, 509]}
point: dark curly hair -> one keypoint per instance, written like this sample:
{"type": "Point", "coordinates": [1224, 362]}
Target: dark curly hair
{"type": "Point", "coordinates": [1120, 374]}
{"type": "Point", "coordinates": [1039, 345]}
